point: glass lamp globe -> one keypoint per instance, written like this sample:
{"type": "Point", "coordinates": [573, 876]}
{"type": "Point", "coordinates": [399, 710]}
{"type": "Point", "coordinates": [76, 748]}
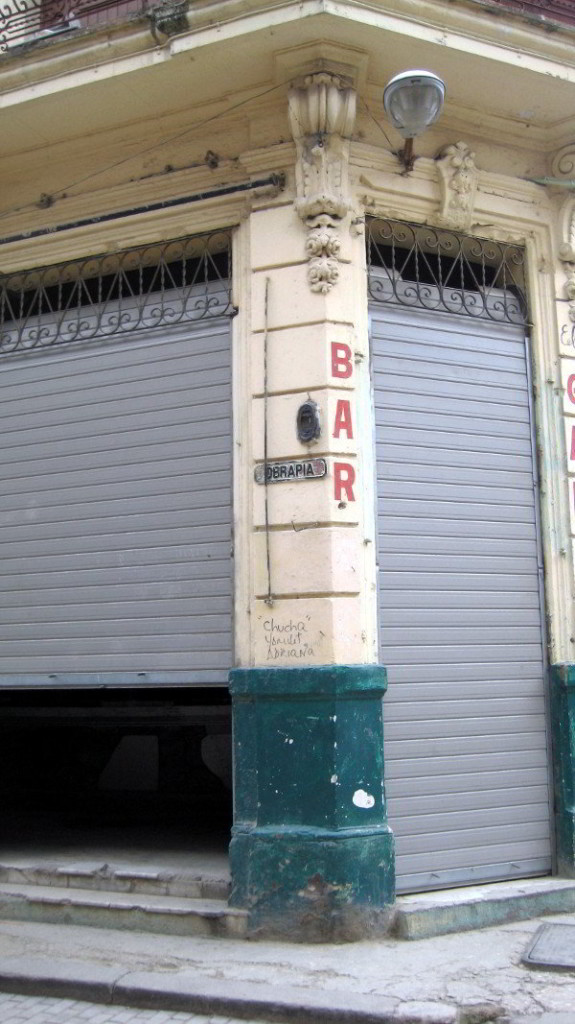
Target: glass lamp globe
{"type": "Point", "coordinates": [413, 101]}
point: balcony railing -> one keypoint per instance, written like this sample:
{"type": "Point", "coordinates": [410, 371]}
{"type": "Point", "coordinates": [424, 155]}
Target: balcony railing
{"type": "Point", "coordinates": [555, 10]}
{"type": "Point", "coordinates": [24, 21]}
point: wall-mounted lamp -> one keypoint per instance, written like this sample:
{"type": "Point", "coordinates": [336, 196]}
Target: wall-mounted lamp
{"type": "Point", "coordinates": [413, 101]}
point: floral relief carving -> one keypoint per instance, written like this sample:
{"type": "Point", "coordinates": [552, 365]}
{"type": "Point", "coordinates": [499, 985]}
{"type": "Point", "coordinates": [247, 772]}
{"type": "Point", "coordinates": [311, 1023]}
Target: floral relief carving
{"type": "Point", "coordinates": [322, 116]}
{"type": "Point", "coordinates": [563, 167]}
{"type": "Point", "coordinates": [322, 274]}
{"type": "Point", "coordinates": [321, 241]}
{"type": "Point", "coordinates": [569, 267]}
{"type": "Point", "coordinates": [458, 176]}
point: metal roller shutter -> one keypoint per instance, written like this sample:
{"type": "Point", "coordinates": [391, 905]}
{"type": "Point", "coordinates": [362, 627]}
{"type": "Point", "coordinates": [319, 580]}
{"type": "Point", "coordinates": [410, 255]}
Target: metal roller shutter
{"type": "Point", "coordinates": [115, 551]}
{"type": "Point", "coordinates": [460, 608]}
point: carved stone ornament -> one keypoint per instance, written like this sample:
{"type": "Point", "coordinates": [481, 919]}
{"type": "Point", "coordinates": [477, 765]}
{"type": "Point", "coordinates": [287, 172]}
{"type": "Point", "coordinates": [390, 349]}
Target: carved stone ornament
{"type": "Point", "coordinates": [567, 255]}
{"type": "Point", "coordinates": [563, 166]}
{"type": "Point", "coordinates": [458, 183]}
{"type": "Point", "coordinates": [563, 163]}
{"type": "Point", "coordinates": [322, 116]}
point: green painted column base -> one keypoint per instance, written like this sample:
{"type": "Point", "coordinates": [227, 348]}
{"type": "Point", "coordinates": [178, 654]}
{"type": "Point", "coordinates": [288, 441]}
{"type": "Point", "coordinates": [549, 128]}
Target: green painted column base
{"type": "Point", "coordinates": [565, 839]}
{"type": "Point", "coordinates": [312, 856]}
{"type": "Point", "coordinates": [563, 734]}
{"type": "Point", "coordinates": [314, 887]}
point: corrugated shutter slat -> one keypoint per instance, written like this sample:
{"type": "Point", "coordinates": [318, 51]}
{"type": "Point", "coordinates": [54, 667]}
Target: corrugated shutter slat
{"type": "Point", "coordinates": [115, 506]}
{"type": "Point", "coordinates": [461, 628]}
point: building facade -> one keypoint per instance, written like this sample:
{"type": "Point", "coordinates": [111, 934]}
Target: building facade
{"type": "Point", "coordinates": [281, 409]}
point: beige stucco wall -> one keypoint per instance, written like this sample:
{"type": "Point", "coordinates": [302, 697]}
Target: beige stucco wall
{"type": "Point", "coordinates": [309, 567]}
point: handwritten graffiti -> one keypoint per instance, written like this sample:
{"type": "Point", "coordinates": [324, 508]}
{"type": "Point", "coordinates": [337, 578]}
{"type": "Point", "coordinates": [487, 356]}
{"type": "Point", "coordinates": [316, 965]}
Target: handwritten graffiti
{"type": "Point", "coordinates": [287, 641]}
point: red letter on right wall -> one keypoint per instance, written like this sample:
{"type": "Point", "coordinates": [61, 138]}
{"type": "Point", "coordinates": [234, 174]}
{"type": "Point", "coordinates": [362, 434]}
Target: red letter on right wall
{"type": "Point", "coordinates": [343, 418]}
{"type": "Point", "coordinates": [343, 481]}
{"type": "Point", "coordinates": [341, 364]}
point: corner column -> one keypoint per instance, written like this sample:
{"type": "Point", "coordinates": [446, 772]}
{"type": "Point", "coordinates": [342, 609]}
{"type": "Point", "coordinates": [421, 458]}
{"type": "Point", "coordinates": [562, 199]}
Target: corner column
{"type": "Point", "coordinates": [312, 855]}
{"type": "Point", "coordinates": [563, 738]}
{"type": "Point", "coordinates": [558, 468]}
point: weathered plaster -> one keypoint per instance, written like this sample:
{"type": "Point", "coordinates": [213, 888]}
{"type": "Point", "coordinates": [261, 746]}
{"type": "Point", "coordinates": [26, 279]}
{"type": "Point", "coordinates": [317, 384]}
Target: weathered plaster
{"type": "Point", "coordinates": [312, 856]}
{"type": "Point", "coordinates": [301, 551]}
{"type": "Point", "coordinates": [563, 728]}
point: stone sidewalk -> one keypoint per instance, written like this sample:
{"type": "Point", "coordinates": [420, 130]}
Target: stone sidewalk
{"type": "Point", "coordinates": [41, 1010]}
{"type": "Point", "coordinates": [465, 978]}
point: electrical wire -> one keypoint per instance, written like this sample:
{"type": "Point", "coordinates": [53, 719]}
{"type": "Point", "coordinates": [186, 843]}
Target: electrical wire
{"type": "Point", "coordinates": [64, 192]}
{"type": "Point", "coordinates": [382, 130]}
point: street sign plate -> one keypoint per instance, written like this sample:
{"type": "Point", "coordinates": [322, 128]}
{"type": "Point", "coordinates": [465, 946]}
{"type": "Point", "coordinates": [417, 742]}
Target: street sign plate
{"type": "Point", "coordinates": [552, 948]}
{"type": "Point", "coordinates": [287, 472]}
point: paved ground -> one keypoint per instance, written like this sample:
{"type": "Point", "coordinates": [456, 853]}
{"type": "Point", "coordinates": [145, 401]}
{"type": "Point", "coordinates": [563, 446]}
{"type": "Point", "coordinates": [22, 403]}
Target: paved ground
{"type": "Point", "coordinates": [430, 980]}
{"type": "Point", "coordinates": [39, 1010]}
{"type": "Point", "coordinates": [15, 1009]}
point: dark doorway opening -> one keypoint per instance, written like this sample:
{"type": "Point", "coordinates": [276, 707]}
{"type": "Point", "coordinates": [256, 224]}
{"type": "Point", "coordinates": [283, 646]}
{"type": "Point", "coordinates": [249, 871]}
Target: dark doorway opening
{"type": "Point", "coordinates": [116, 775]}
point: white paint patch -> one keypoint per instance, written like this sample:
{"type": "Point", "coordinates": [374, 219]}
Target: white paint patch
{"type": "Point", "coordinates": [333, 779]}
{"type": "Point", "coordinates": [363, 799]}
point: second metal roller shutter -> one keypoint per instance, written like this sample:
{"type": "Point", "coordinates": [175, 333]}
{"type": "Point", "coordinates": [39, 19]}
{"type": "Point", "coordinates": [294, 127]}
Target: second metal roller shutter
{"type": "Point", "coordinates": [115, 561]}
{"type": "Point", "coordinates": [461, 622]}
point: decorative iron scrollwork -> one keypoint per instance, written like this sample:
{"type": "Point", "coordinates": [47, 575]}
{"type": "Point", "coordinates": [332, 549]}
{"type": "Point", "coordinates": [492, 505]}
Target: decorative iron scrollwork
{"type": "Point", "coordinates": [441, 270]}
{"type": "Point", "coordinates": [30, 21]}
{"type": "Point", "coordinates": [101, 296]}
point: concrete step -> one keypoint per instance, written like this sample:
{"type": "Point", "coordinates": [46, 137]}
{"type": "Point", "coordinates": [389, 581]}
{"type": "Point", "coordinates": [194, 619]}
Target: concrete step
{"type": "Point", "coordinates": [428, 914]}
{"type": "Point", "coordinates": [144, 912]}
{"type": "Point", "coordinates": [108, 877]}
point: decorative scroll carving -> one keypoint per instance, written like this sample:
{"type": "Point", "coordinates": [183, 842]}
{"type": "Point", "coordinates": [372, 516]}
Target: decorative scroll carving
{"type": "Point", "coordinates": [458, 182]}
{"type": "Point", "coordinates": [563, 164]}
{"type": "Point", "coordinates": [322, 116]}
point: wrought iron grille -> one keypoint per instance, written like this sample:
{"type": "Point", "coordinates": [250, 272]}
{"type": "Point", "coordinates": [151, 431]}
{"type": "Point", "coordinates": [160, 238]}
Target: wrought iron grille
{"type": "Point", "coordinates": [435, 269]}
{"type": "Point", "coordinates": [560, 10]}
{"type": "Point", "coordinates": [172, 283]}
{"type": "Point", "coordinates": [25, 21]}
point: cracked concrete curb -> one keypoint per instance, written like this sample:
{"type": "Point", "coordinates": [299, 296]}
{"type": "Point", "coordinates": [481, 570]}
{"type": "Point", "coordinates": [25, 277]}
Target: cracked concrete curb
{"type": "Point", "coordinates": [193, 993]}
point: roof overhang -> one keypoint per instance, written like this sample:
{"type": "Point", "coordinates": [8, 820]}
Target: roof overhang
{"type": "Point", "coordinates": [502, 74]}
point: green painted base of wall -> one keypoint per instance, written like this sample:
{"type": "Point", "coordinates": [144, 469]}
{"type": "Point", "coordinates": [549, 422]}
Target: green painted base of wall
{"type": "Point", "coordinates": [563, 733]}
{"type": "Point", "coordinates": [565, 839]}
{"type": "Point", "coordinates": [312, 856]}
{"type": "Point", "coordinates": [314, 887]}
